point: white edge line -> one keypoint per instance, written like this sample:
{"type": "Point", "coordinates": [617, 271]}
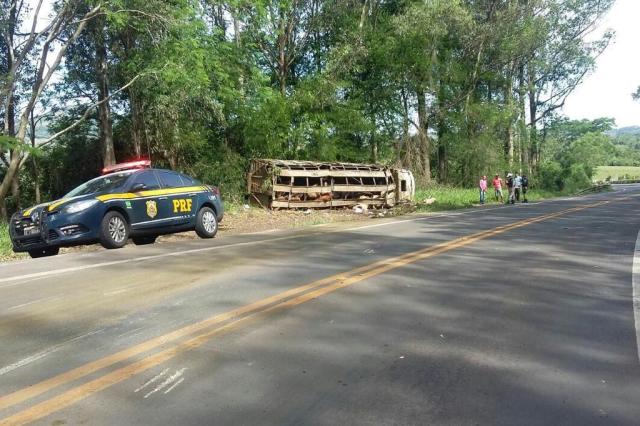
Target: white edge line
{"type": "Point", "coordinates": [635, 277]}
{"type": "Point", "coordinates": [135, 259]}
{"type": "Point", "coordinates": [180, 253]}
{"type": "Point", "coordinates": [44, 353]}
{"type": "Point", "coordinates": [43, 274]}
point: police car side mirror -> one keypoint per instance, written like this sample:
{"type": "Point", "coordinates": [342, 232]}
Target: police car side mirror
{"type": "Point", "coordinates": [137, 187]}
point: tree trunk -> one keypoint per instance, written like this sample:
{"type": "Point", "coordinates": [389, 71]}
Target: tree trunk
{"type": "Point", "coordinates": [10, 113]}
{"type": "Point", "coordinates": [508, 103]}
{"type": "Point", "coordinates": [363, 14]}
{"type": "Point", "coordinates": [404, 144]}
{"type": "Point", "coordinates": [442, 147]}
{"type": "Point", "coordinates": [34, 162]}
{"type": "Point", "coordinates": [523, 140]}
{"type": "Point", "coordinates": [104, 111]}
{"type": "Point", "coordinates": [15, 191]}
{"type": "Point", "coordinates": [533, 118]}
{"type": "Point", "coordinates": [423, 126]}
{"type": "Point", "coordinates": [442, 154]}
{"type": "Point", "coordinates": [282, 54]}
{"type": "Point", "coordinates": [374, 141]}
{"type": "Point", "coordinates": [7, 182]}
{"type": "Point", "coordinates": [137, 123]}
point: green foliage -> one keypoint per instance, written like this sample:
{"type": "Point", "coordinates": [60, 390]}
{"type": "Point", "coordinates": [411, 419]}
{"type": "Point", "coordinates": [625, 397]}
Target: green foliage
{"type": "Point", "coordinates": [452, 198]}
{"type": "Point", "coordinates": [6, 249]}
{"type": "Point", "coordinates": [216, 83]}
{"type": "Point", "coordinates": [590, 150]}
{"type": "Point", "coordinates": [578, 148]}
{"type": "Point", "coordinates": [224, 168]}
{"type": "Point", "coordinates": [9, 143]}
{"type": "Point", "coordinates": [552, 176]}
{"type": "Point", "coordinates": [74, 159]}
{"type": "Point", "coordinates": [578, 178]}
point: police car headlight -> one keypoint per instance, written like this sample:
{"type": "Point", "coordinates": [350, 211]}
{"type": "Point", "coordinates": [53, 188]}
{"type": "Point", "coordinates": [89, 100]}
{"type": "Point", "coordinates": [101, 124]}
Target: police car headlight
{"type": "Point", "coordinates": [80, 206]}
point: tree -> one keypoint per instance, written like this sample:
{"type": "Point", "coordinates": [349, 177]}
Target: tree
{"type": "Point", "coordinates": [19, 48]}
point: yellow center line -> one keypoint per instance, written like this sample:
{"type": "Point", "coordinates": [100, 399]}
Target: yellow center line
{"type": "Point", "coordinates": [222, 323]}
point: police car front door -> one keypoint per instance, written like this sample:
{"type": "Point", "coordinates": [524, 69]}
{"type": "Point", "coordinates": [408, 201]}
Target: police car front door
{"type": "Point", "coordinates": [182, 202]}
{"type": "Point", "coordinates": [150, 208]}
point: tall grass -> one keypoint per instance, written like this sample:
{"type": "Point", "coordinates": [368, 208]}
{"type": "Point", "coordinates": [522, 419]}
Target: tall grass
{"type": "Point", "coordinates": [6, 251]}
{"type": "Point", "coordinates": [450, 198]}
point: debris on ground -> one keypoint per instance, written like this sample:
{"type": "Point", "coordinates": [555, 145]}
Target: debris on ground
{"type": "Point", "coordinates": [360, 208]}
{"type": "Point", "coordinates": [429, 201]}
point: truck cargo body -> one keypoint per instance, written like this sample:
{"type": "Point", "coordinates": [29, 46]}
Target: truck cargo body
{"type": "Point", "coordinates": [304, 184]}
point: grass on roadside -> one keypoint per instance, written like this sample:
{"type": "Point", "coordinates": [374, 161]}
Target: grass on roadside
{"type": "Point", "coordinates": [6, 251]}
{"type": "Point", "coordinates": [449, 198]}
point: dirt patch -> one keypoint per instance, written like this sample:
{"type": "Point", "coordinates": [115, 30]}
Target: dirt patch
{"type": "Point", "coordinates": [254, 219]}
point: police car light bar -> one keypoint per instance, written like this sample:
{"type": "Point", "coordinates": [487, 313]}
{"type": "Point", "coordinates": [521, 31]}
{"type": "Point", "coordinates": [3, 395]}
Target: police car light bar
{"type": "Point", "coordinates": [132, 165]}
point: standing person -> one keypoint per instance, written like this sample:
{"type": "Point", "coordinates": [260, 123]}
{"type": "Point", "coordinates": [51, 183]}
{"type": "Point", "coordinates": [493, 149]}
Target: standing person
{"type": "Point", "coordinates": [497, 186]}
{"type": "Point", "coordinates": [483, 188]}
{"type": "Point", "coordinates": [517, 186]}
{"type": "Point", "coordinates": [511, 200]}
{"type": "Point", "coordinates": [525, 188]}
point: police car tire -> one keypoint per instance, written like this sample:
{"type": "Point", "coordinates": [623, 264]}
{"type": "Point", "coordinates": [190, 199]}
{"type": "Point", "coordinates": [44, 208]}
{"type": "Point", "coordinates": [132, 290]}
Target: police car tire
{"type": "Point", "coordinates": [105, 237]}
{"type": "Point", "coordinates": [44, 252]}
{"type": "Point", "coordinates": [141, 241]}
{"type": "Point", "coordinates": [201, 229]}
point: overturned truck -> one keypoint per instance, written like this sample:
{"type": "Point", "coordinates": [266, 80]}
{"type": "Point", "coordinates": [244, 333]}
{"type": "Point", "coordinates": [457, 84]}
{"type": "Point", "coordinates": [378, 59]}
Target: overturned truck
{"type": "Point", "coordinates": [304, 184]}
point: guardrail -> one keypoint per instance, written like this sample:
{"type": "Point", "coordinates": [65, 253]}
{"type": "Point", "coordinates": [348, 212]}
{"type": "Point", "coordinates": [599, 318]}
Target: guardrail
{"type": "Point", "coordinates": [624, 181]}
{"type": "Point", "coordinates": [595, 188]}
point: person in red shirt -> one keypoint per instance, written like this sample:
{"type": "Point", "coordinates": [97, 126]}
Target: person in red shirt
{"type": "Point", "coordinates": [497, 186]}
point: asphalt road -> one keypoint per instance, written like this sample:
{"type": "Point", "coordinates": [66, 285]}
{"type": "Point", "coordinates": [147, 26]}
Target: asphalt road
{"type": "Point", "coordinates": [502, 315]}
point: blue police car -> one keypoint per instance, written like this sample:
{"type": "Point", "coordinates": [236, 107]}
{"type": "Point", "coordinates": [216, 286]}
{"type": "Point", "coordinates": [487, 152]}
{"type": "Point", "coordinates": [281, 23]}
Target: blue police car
{"type": "Point", "coordinates": [128, 200]}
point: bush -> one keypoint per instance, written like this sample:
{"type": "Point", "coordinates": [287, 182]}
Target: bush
{"type": "Point", "coordinates": [577, 179]}
{"type": "Point", "coordinates": [551, 176]}
{"type": "Point", "coordinates": [227, 170]}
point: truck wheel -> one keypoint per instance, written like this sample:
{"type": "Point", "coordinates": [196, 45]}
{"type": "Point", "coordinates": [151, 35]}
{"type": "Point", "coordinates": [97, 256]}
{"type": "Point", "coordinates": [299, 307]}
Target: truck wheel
{"type": "Point", "coordinates": [142, 241]}
{"type": "Point", "coordinates": [44, 252]}
{"type": "Point", "coordinates": [206, 223]}
{"type": "Point", "coordinates": [114, 230]}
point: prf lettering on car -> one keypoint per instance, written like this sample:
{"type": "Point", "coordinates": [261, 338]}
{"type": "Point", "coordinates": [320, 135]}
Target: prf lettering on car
{"type": "Point", "coordinates": [182, 205]}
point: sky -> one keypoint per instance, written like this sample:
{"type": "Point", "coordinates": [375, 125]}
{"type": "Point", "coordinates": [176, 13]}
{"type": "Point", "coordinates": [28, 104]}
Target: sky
{"type": "Point", "coordinates": [607, 91]}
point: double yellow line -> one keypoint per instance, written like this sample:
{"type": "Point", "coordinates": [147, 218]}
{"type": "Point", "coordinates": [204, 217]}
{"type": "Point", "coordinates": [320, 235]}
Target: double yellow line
{"type": "Point", "coordinates": [195, 335]}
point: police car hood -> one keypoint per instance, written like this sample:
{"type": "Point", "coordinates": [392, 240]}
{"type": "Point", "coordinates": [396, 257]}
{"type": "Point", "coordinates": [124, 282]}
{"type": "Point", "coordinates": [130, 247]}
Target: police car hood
{"type": "Point", "coordinates": [57, 204]}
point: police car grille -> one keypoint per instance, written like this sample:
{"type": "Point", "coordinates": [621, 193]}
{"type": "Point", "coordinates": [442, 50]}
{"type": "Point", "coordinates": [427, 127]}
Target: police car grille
{"type": "Point", "coordinates": [29, 241]}
{"type": "Point", "coordinates": [52, 235]}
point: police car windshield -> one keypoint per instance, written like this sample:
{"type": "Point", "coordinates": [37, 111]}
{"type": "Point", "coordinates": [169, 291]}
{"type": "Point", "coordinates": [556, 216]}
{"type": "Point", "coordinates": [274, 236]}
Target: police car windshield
{"type": "Point", "coordinates": [101, 184]}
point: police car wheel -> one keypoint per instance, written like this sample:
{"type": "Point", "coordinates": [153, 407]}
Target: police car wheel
{"type": "Point", "coordinates": [114, 230]}
{"type": "Point", "coordinates": [206, 223]}
{"type": "Point", "coordinates": [44, 252]}
{"type": "Point", "coordinates": [141, 241]}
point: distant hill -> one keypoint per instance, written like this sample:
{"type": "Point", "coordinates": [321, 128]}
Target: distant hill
{"type": "Point", "coordinates": [629, 130]}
